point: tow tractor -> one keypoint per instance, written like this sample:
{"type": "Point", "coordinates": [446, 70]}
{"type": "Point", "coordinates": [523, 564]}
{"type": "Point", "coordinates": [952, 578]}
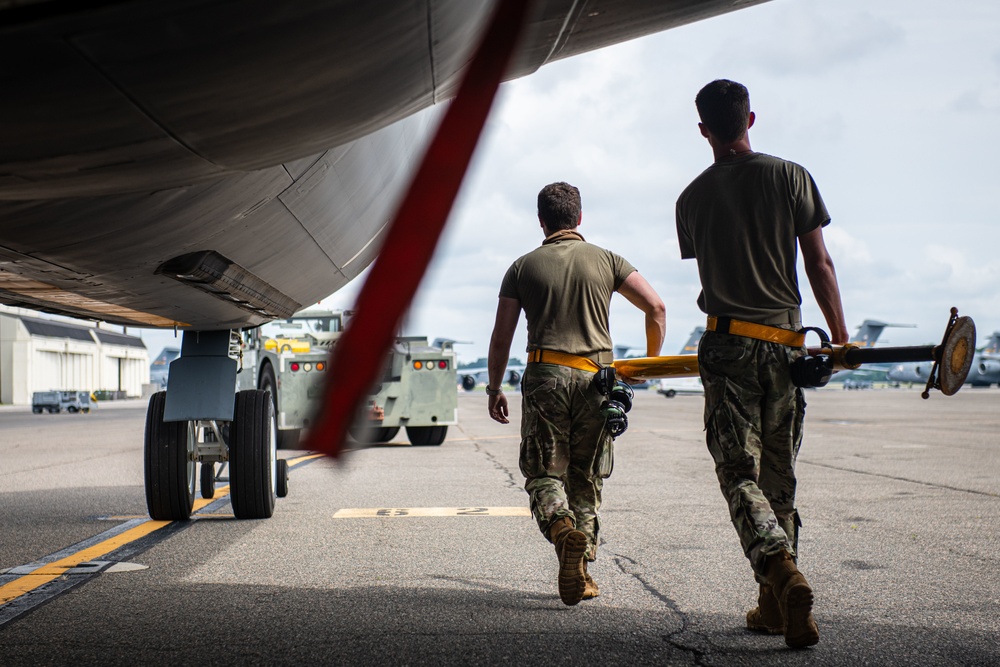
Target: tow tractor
{"type": "Point", "coordinates": [288, 358]}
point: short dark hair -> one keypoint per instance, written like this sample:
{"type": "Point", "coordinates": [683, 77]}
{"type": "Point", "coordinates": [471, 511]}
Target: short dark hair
{"type": "Point", "coordinates": [724, 107]}
{"type": "Point", "coordinates": [559, 206]}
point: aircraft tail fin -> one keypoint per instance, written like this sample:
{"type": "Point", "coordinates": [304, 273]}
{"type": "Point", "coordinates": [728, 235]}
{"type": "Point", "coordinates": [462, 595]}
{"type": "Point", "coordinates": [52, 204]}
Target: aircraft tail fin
{"type": "Point", "coordinates": [691, 346]}
{"type": "Point", "coordinates": [870, 330]}
{"type": "Point", "coordinates": [993, 344]}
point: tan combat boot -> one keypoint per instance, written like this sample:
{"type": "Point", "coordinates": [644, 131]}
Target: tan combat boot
{"type": "Point", "coordinates": [591, 590]}
{"type": "Point", "coordinates": [795, 600]}
{"type": "Point", "coordinates": [571, 545]}
{"type": "Point", "coordinates": [766, 616]}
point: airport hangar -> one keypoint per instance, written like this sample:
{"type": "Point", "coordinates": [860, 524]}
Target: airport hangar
{"type": "Point", "coordinates": [42, 355]}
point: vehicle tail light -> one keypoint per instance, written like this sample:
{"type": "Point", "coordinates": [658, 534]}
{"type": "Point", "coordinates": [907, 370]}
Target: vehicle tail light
{"type": "Point", "coordinates": [294, 366]}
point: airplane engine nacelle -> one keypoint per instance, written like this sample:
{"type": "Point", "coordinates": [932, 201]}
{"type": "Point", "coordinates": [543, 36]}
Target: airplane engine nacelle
{"type": "Point", "coordinates": [988, 367]}
{"type": "Point", "coordinates": [468, 382]}
{"type": "Point", "coordinates": [513, 378]}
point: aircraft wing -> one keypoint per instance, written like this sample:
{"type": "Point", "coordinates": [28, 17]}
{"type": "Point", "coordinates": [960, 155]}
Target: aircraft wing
{"type": "Point", "coordinates": [216, 165]}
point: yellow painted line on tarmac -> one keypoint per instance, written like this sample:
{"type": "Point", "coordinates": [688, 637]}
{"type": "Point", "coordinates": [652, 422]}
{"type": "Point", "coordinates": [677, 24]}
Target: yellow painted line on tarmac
{"type": "Point", "coordinates": [56, 569]}
{"type": "Point", "coordinates": [398, 512]}
{"type": "Point", "coordinates": [52, 571]}
{"type": "Point", "coordinates": [306, 457]}
{"type": "Point", "coordinates": [200, 503]}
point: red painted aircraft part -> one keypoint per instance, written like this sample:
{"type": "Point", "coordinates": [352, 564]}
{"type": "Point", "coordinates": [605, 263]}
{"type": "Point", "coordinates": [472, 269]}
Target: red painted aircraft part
{"type": "Point", "coordinates": [357, 359]}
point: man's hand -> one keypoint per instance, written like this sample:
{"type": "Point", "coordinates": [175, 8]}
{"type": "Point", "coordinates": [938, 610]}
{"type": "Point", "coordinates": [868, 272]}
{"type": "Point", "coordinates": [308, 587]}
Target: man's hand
{"type": "Point", "coordinates": [508, 312]}
{"type": "Point", "coordinates": [498, 408]}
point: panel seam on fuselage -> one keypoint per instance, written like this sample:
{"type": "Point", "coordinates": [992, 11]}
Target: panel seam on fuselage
{"type": "Point", "coordinates": [430, 51]}
{"type": "Point", "coordinates": [146, 113]}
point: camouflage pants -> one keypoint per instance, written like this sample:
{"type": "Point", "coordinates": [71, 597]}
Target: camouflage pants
{"type": "Point", "coordinates": [566, 453]}
{"type": "Point", "coordinates": [753, 424]}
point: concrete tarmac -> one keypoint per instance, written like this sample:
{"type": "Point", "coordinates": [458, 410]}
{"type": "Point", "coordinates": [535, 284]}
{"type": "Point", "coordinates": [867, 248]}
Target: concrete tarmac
{"type": "Point", "coordinates": [399, 555]}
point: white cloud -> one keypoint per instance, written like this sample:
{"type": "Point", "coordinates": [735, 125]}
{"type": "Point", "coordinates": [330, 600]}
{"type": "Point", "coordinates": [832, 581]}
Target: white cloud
{"type": "Point", "coordinates": [890, 105]}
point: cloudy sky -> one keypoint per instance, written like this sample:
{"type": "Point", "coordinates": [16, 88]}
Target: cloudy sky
{"type": "Point", "coordinates": [893, 106]}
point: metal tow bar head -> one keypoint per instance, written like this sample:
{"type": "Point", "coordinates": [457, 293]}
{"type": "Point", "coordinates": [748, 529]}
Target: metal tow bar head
{"type": "Point", "coordinates": [953, 358]}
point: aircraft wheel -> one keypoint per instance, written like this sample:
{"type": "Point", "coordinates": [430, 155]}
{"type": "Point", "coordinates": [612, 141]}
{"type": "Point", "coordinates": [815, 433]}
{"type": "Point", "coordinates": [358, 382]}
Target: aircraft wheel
{"type": "Point", "coordinates": [253, 457]}
{"type": "Point", "coordinates": [422, 436]}
{"type": "Point", "coordinates": [208, 480]}
{"type": "Point", "coordinates": [168, 463]}
{"type": "Point", "coordinates": [282, 486]}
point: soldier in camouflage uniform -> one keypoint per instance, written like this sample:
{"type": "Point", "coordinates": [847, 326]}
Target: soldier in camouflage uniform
{"type": "Point", "coordinates": [565, 288]}
{"type": "Point", "coordinates": [743, 219]}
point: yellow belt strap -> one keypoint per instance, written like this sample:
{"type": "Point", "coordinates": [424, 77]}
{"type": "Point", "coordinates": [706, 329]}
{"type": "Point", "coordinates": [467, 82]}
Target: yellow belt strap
{"type": "Point", "coordinates": [756, 331]}
{"type": "Point", "coordinates": [563, 359]}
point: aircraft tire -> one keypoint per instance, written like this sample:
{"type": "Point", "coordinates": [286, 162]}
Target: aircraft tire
{"type": "Point", "coordinates": [168, 468]}
{"type": "Point", "coordinates": [208, 480]}
{"type": "Point", "coordinates": [424, 436]}
{"type": "Point", "coordinates": [282, 480]}
{"type": "Point", "coordinates": [253, 456]}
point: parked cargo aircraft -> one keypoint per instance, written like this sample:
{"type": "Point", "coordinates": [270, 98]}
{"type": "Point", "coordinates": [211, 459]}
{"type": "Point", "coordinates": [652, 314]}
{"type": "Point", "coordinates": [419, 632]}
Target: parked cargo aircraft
{"type": "Point", "coordinates": [867, 334]}
{"type": "Point", "coordinates": [473, 377]}
{"type": "Point", "coordinates": [984, 373]}
{"type": "Point", "coordinates": [211, 166]}
{"type": "Point", "coordinates": [159, 370]}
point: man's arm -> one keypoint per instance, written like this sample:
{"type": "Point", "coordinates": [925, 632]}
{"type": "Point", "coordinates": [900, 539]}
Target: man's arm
{"type": "Point", "coordinates": [642, 295]}
{"type": "Point", "coordinates": [508, 313]}
{"type": "Point", "coordinates": [823, 280]}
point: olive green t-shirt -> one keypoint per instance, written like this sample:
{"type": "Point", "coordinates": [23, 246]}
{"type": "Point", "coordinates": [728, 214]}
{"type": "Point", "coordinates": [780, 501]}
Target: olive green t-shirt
{"type": "Point", "coordinates": [741, 219]}
{"type": "Point", "coordinates": [565, 289]}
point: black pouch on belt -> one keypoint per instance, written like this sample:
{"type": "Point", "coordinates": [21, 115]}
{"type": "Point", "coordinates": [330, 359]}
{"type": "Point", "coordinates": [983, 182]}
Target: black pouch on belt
{"type": "Point", "coordinates": [812, 371]}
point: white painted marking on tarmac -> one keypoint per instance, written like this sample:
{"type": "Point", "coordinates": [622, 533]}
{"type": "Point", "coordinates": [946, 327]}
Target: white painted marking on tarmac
{"type": "Point", "coordinates": [126, 567]}
{"type": "Point", "coordinates": [904, 446]}
{"type": "Point", "coordinates": [400, 512]}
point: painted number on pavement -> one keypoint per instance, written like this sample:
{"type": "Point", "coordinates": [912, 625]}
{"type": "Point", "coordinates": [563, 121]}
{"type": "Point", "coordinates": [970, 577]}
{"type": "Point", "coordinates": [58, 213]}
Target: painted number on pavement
{"type": "Point", "coordinates": [379, 512]}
